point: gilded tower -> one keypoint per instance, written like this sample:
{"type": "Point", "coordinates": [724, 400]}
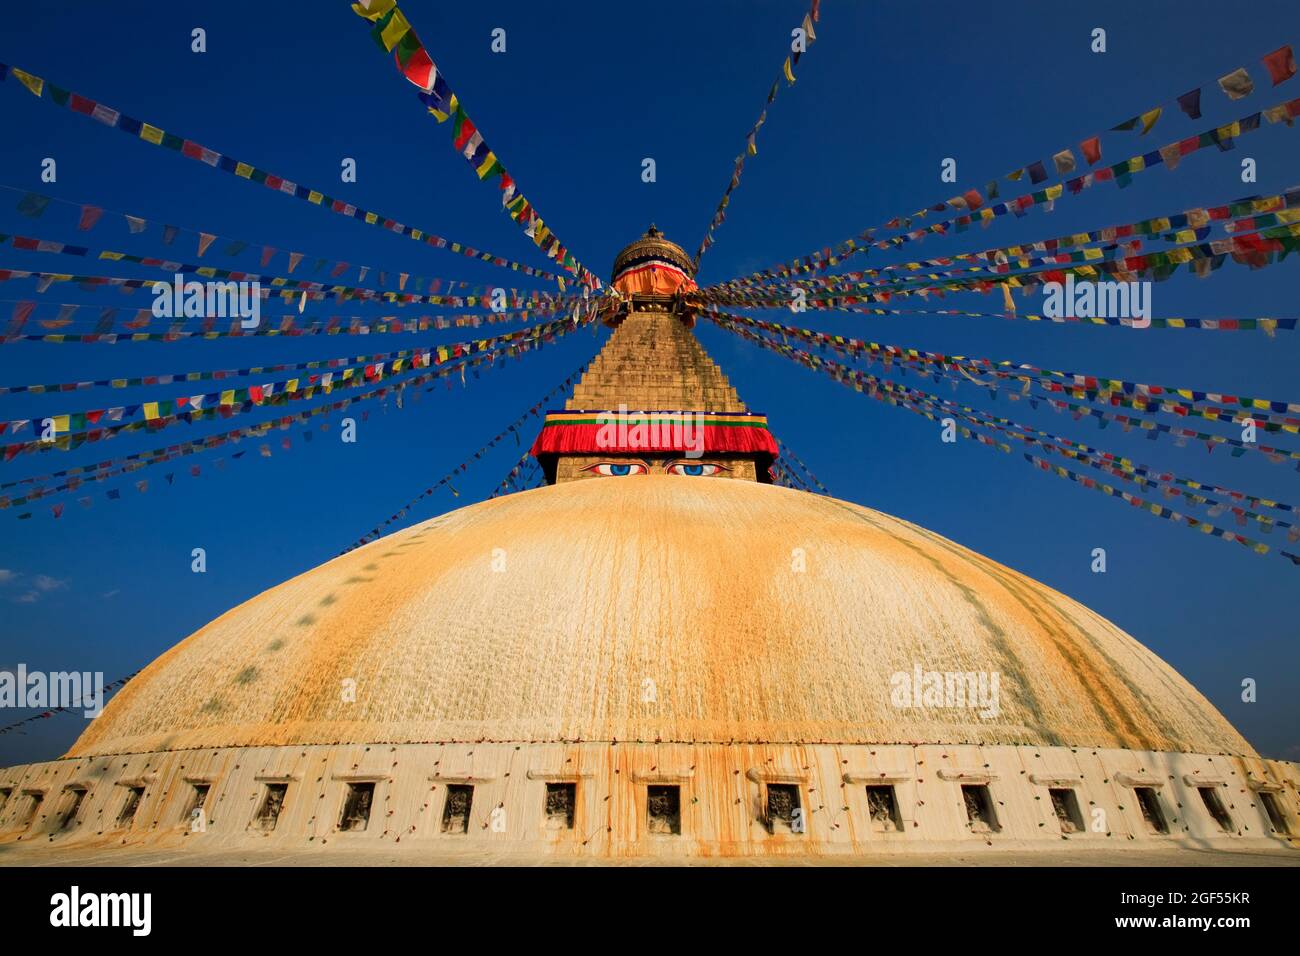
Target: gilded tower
{"type": "Point", "coordinates": [653, 402]}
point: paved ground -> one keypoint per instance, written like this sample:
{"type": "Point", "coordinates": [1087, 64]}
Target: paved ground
{"type": "Point", "coordinates": [11, 855]}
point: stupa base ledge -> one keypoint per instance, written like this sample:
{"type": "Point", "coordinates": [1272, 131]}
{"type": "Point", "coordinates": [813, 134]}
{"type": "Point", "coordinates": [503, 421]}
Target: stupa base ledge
{"type": "Point", "coordinates": [554, 802]}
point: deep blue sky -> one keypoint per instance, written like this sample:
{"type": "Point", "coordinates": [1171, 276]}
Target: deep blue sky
{"type": "Point", "coordinates": [583, 94]}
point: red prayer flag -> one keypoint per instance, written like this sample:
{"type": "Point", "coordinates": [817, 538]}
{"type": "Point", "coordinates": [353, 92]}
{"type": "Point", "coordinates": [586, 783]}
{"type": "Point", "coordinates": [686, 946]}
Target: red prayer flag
{"type": "Point", "coordinates": [89, 216]}
{"type": "Point", "coordinates": [1281, 64]}
{"type": "Point", "coordinates": [267, 253]}
{"type": "Point", "coordinates": [467, 129]}
{"type": "Point", "coordinates": [418, 68]}
{"type": "Point", "coordinates": [1091, 149]}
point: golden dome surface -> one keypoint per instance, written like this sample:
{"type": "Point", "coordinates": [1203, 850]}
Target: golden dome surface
{"type": "Point", "coordinates": [654, 607]}
{"type": "Point", "coordinates": [653, 244]}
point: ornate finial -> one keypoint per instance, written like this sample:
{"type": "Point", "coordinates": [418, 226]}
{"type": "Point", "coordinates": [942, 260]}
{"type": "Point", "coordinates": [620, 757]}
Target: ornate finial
{"type": "Point", "coordinates": [653, 245]}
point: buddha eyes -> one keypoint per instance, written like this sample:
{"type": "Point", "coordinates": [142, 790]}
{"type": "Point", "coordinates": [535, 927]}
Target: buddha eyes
{"type": "Point", "coordinates": [694, 468]}
{"type": "Point", "coordinates": [621, 469]}
{"type": "Point", "coordinates": [618, 468]}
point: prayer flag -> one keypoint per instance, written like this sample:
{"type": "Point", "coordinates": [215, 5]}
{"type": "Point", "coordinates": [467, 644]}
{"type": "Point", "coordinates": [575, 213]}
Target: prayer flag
{"type": "Point", "coordinates": [33, 83]}
{"type": "Point", "coordinates": [32, 205]}
{"type": "Point", "coordinates": [1149, 119]}
{"type": "Point", "coordinates": [390, 29]}
{"type": "Point", "coordinates": [373, 9]}
{"type": "Point", "coordinates": [89, 216]}
{"type": "Point", "coordinates": [1190, 103]}
{"type": "Point", "coordinates": [1281, 64]}
{"type": "Point", "coordinates": [1091, 149]}
{"type": "Point", "coordinates": [414, 62]}
{"type": "Point", "coordinates": [1237, 84]}
{"type": "Point", "coordinates": [1064, 161]}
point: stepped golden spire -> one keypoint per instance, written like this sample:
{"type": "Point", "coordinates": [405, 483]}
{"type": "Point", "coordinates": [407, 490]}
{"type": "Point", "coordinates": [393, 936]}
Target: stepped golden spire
{"type": "Point", "coordinates": [653, 402]}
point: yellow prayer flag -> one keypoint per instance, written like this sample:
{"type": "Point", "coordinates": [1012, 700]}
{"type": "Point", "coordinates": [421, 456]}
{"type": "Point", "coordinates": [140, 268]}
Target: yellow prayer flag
{"type": "Point", "coordinates": [1054, 192]}
{"type": "Point", "coordinates": [397, 28]}
{"type": "Point", "coordinates": [150, 411]}
{"type": "Point", "coordinates": [315, 197]}
{"type": "Point", "coordinates": [61, 423]}
{"type": "Point", "coordinates": [244, 170]}
{"type": "Point", "coordinates": [371, 218]}
{"type": "Point", "coordinates": [789, 73]}
{"type": "Point", "coordinates": [453, 104]}
{"type": "Point", "coordinates": [151, 134]}
{"type": "Point", "coordinates": [1149, 119]}
{"type": "Point", "coordinates": [373, 10]}
{"type": "Point", "coordinates": [33, 83]}
{"type": "Point", "coordinates": [114, 256]}
{"type": "Point", "coordinates": [228, 397]}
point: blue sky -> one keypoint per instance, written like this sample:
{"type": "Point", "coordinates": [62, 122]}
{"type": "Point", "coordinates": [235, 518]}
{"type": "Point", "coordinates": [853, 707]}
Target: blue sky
{"type": "Point", "coordinates": [583, 94]}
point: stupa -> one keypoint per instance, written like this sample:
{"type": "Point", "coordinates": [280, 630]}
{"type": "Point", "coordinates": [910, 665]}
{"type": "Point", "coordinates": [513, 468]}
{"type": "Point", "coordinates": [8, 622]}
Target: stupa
{"type": "Point", "coordinates": [660, 654]}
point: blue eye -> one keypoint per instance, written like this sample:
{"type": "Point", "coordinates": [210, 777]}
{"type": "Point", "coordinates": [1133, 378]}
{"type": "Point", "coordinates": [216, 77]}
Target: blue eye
{"type": "Point", "coordinates": [695, 469]}
{"type": "Point", "coordinates": [618, 469]}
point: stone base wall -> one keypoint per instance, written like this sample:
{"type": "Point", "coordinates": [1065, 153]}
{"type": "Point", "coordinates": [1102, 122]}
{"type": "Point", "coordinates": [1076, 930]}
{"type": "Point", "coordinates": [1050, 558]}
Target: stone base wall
{"type": "Point", "coordinates": [729, 799]}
